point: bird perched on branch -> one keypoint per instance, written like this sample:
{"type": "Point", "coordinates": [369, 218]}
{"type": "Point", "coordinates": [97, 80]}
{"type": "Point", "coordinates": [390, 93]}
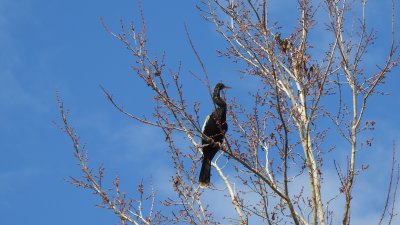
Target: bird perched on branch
{"type": "Point", "coordinates": [214, 130]}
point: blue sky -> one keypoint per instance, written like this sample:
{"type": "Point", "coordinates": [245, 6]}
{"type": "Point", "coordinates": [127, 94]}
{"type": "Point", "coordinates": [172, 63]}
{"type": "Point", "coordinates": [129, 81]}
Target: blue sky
{"type": "Point", "coordinates": [60, 46]}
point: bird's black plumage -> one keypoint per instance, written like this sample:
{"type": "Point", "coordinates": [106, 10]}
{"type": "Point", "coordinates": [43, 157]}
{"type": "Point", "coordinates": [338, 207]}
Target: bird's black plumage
{"type": "Point", "coordinates": [214, 129]}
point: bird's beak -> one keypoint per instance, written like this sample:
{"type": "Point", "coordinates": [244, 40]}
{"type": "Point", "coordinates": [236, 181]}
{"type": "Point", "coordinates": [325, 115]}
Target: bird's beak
{"type": "Point", "coordinates": [226, 87]}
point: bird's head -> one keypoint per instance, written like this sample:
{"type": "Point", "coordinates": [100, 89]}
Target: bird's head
{"type": "Point", "coordinates": [220, 86]}
{"type": "Point", "coordinates": [216, 96]}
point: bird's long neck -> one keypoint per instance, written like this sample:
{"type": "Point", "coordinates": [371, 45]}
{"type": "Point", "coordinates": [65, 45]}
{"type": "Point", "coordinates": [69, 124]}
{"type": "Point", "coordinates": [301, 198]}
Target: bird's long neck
{"type": "Point", "coordinates": [218, 100]}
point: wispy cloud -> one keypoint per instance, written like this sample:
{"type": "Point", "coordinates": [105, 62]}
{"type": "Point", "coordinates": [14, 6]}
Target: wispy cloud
{"type": "Point", "coordinates": [139, 141]}
{"type": "Point", "coordinates": [13, 94]}
{"type": "Point", "coordinates": [12, 180]}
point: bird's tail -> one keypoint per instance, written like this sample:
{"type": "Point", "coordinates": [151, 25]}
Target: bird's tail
{"type": "Point", "coordinates": [205, 173]}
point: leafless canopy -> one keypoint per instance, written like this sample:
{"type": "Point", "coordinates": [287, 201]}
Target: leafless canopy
{"type": "Point", "coordinates": [271, 165]}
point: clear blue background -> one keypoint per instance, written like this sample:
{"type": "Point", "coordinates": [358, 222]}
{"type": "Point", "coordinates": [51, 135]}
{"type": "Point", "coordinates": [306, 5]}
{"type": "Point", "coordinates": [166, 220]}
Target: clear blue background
{"type": "Point", "coordinates": [60, 46]}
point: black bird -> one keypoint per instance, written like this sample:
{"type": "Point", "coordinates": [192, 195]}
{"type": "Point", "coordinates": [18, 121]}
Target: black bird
{"type": "Point", "coordinates": [214, 129]}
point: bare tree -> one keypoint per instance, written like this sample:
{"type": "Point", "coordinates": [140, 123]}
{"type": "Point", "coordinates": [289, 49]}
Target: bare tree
{"type": "Point", "coordinates": [278, 141]}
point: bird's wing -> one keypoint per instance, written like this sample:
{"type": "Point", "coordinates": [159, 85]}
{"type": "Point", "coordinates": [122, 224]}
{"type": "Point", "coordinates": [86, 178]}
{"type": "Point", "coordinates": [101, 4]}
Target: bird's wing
{"type": "Point", "coordinates": [205, 123]}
